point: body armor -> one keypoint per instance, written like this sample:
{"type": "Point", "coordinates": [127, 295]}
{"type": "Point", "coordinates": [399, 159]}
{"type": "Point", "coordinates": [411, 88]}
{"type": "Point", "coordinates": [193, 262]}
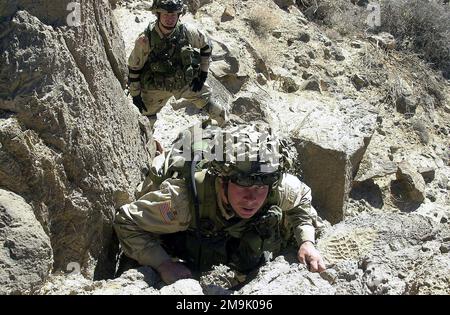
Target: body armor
{"type": "Point", "coordinates": [241, 244]}
{"type": "Point", "coordinates": [172, 63]}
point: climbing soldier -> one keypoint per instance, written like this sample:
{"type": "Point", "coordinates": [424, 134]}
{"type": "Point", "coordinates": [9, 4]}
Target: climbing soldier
{"type": "Point", "coordinates": [171, 59]}
{"type": "Point", "coordinates": [237, 210]}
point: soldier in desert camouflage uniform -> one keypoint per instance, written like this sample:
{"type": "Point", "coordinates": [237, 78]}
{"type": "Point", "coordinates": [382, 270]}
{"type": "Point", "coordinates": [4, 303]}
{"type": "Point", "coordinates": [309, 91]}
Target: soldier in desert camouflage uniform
{"type": "Point", "coordinates": [171, 59]}
{"type": "Point", "coordinates": [237, 211]}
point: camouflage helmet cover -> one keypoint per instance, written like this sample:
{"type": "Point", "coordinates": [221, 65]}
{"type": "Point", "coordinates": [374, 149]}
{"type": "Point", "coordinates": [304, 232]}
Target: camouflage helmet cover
{"type": "Point", "coordinates": [251, 155]}
{"type": "Point", "coordinates": [167, 6]}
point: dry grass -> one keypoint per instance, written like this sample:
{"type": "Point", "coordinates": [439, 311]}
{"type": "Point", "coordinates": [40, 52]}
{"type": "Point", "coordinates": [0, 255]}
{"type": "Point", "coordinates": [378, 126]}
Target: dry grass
{"type": "Point", "coordinates": [420, 26]}
{"type": "Point", "coordinates": [265, 51]}
{"type": "Point", "coordinates": [392, 69]}
{"type": "Point", "coordinates": [263, 21]}
{"type": "Point", "coordinates": [342, 16]}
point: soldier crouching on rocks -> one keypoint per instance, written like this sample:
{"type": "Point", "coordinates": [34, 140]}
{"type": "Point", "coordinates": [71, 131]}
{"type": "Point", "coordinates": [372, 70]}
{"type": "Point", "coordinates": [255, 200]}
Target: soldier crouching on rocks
{"type": "Point", "coordinates": [235, 210]}
{"type": "Point", "coordinates": [165, 63]}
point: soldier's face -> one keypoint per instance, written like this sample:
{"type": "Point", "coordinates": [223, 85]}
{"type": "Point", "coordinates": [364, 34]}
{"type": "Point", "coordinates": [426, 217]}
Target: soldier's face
{"type": "Point", "coordinates": [168, 20]}
{"type": "Point", "coordinates": [246, 201]}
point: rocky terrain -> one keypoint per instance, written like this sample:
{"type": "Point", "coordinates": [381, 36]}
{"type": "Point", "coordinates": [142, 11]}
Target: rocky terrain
{"type": "Point", "coordinates": [370, 124]}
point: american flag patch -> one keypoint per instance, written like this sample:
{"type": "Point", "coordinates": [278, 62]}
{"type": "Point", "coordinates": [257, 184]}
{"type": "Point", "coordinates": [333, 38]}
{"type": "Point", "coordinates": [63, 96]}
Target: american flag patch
{"type": "Point", "coordinates": [166, 214]}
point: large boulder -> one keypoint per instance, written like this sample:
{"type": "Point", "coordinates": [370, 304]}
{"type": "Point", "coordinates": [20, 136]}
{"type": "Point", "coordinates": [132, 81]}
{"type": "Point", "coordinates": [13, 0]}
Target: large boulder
{"type": "Point", "coordinates": [281, 277]}
{"type": "Point", "coordinates": [25, 251]}
{"type": "Point", "coordinates": [141, 281]}
{"type": "Point", "coordinates": [387, 254]}
{"type": "Point", "coordinates": [331, 144]}
{"type": "Point", "coordinates": [374, 253]}
{"type": "Point", "coordinates": [71, 143]}
{"type": "Point", "coordinates": [410, 182]}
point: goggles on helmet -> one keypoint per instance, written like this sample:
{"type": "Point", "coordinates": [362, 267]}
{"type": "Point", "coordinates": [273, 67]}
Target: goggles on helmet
{"type": "Point", "coordinates": [260, 179]}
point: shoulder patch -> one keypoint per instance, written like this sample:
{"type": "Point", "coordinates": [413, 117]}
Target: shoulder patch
{"type": "Point", "coordinates": [167, 214]}
{"type": "Point", "coordinates": [142, 40]}
{"type": "Point", "coordinates": [290, 191]}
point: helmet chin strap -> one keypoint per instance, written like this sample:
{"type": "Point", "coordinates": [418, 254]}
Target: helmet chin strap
{"type": "Point", "coordinates": [224, 184]}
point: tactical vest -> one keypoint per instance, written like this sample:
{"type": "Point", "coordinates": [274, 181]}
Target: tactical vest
{"type": "Point", "coordinates": [240, 243]}
{"type": "Point", "coordinates": [172, 63]}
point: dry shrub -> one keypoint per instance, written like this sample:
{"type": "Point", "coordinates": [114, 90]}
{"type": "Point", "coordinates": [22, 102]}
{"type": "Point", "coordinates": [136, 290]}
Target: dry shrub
{"type": "Point", "coordinates": [343, 16]}
{"type": "Point", "coordinates": [421, 26]}
{"type": "Point", "coordinates": [263, 21]}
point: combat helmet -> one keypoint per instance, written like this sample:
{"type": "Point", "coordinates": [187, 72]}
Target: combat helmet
{"type": "Point", "coordinates": [167, 6]}
{"type": "Point", "coordinates": [252, 155]}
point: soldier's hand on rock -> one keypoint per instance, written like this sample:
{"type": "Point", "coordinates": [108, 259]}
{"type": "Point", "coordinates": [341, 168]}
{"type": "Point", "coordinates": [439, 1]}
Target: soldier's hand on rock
{"type": "Point", "coordinates": [139, 103]}
{"type": "Point", "coordinates": [197, 83]}
{"type": "Point", "coordinates": [171, 271]}
{"type": "Point", "coordinates": [310, 256]}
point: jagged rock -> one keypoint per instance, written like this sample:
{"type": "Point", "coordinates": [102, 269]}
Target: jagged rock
{"type": "Point", "coordinates": [250, 108]}
{"type": "Point", "coordinates": [302, 61]}
{"type": "Point", "coordinates": [277, 33]}
{"type": "Point", "coordinates": [183, 287]}
{"type": "Point", "coordinates": [226, 65]}
{"type": "Point", "coordinates": [410, 183]}
{"type": "Point", "coordinates": [26, 254]}
{"type": "Point", "coordinates": [139, 6]}
{"type": "Point", "coordinates": [220, 94]}
{"type": "Point", "coordinates": [374, 253]}
{"type": "Point", "coordinates": [58, 15]}
{"type": "Point", "coordinates": [331, 146]}
{"type": "Point", "coordinates": [427, 173]}
{"type": "Point", "coordinates": [289, 85]}
{"type": "Point", "coordinates": [445, 248]}
{"type": "Point", "coordinates": [306, 75]}
{"type": "Point", "coordinates": [338, 54]}
{"type": "Point", "coordinates": [304, 37]}
{"type": "Point", "coordinates": [429, 277]}
{"type": "Point", "coordinates": [280, 277]}
{"type": "Point", "coordinates": [225, 59]}
{"type": "Point", "coordinates": [113, 3]}
{"type": "Point", "coordinates": [228, 14]}
{"type": "Point", "coordinates": [314, 84]}
{"type": "Point", "coordinates": [403, 87]}
{"type": "Point", "coordinates": [384, 40]}
{"type": "Point", "coordinates": [443, 181]}
{"type": "Point", "coordinates": [220, 280]}
{"type": "Point", "coordinates": [406, 104]}
{"type": "Point", "coordinates": [260, 64]}
{"type": "Point", "coordinates": [366, 275]}
{"type": "Point", "coordinates": [141, 281]}
{"type": "Point", "coordinates": [359, 82]}
{"type": "Point", "coordinates": [71, 143]}
{"type": "Point", "coordinates": [386, 249]}
{"type": "Point", "coordinates": [283, 4]}
{"type": "Point", "coordinates": [375, 171]}
{"type": "Point", "coordinates": [194, 5]}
